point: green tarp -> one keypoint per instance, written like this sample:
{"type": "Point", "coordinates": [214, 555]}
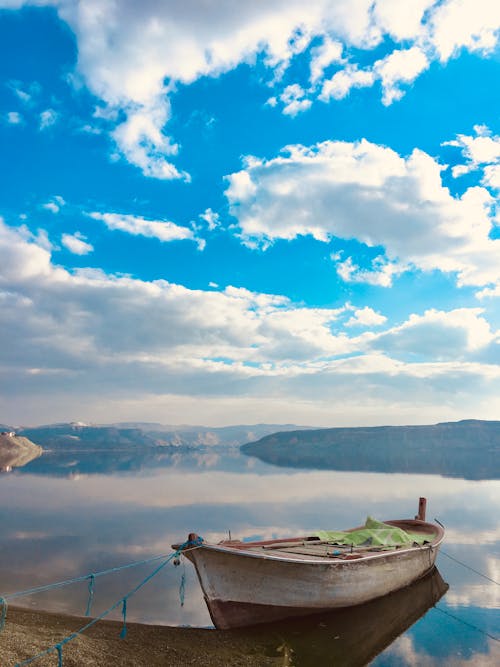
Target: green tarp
{"type": "Point", "coordinates": [374, 533]}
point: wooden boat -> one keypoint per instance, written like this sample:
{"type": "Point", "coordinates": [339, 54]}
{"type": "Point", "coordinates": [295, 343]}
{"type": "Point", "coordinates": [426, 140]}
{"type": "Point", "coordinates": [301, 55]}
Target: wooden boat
{"type": "Point", "coordinates": [246, 583]}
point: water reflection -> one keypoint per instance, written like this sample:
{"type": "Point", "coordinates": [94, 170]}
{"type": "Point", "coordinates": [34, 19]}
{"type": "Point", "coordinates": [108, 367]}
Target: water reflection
{"type": "Point", "coordinates": [71, 523]}
{"type": "Point", "coordinates": [81, 462]}
{"type": "Point", "coordinates": [348, 637]}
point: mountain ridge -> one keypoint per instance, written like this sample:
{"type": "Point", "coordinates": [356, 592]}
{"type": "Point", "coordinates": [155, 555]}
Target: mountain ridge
{"type": "Point", "coordinates": [78, 435]}
{"type": "Point", "coordinates": [469, 448]}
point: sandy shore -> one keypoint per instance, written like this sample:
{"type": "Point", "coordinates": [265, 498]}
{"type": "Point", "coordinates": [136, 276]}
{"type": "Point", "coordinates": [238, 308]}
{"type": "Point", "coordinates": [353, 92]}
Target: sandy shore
{"type": "Point", "coordinates": [26, 633]}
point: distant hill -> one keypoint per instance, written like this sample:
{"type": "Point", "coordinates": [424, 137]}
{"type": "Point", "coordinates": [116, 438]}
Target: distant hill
{"type": "Point", "coordinates": [77, 435]}
{"type": "Point", "coordinates": [16, 451]}
{"type": "Point", "coordinates": [468, 449]}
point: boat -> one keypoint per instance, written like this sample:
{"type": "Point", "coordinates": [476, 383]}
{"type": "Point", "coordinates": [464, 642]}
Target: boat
{"type": "Point", "coordinates": [248, 583]}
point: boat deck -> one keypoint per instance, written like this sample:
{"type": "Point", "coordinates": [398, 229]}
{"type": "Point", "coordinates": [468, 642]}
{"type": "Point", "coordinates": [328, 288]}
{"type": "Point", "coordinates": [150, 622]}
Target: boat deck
{"type": "Point", "coordinates": [317, 549]}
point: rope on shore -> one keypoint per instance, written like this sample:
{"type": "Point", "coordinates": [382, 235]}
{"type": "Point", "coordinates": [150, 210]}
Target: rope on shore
{"type": "Point", "coordinates": [182, 589]}
{"type": "Point", "coordinates": [122, 601]}
{"type": "Point", "coordinates": [485, 576]}
{"type": "Point", "coordinates": [123, 632]}
{"type": "Point", "coordinates": [91, 594]}
{"type": "Point", "coordinates": [3, 614]}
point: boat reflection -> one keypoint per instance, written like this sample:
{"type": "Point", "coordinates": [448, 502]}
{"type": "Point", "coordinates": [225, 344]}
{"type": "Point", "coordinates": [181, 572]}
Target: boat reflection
{"type": "Point", "coordinates": [349, 637]}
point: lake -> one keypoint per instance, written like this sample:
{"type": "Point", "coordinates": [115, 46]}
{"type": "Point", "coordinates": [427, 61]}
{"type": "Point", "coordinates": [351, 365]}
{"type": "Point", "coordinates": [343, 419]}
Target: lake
{"type": "Point", "coordinates": [60, 521]}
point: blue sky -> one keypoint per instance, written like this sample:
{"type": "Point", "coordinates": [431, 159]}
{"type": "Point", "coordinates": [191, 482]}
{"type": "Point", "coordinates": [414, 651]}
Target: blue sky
{"type": "Point", "coordinates": [219, 213]}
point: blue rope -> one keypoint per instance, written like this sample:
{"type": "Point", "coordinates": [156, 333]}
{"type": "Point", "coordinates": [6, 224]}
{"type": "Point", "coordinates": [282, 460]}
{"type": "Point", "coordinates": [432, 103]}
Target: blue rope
{"type": "Point", "coordinates": [485, 576]}
{"type": "Point", "coordinates": [67, 582]}
{"type": "Point", "coordinates": [3, 614]}
{"type": "Point", "coordinates": [59, 655]}
{"type": "Point", "coordinates": [470, 625]}
{"type": "Point", "coordinates": [122, 601]}
{"type": "Point", "coordinates": [91, 594]}
{"type": "Point", "coordinates": [123, 633]}
{"type": "Point", "coordinates": [182, 589]}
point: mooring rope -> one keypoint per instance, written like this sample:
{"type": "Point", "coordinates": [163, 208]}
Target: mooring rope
{"type": "Point", "coordinates": [3, 613]}
{"type": "Point", "coordinates": [457, 618]}
{"type": "Point", "coordinates": [75, 580]}
{"type": "Point", "coordinates": [485, 576]}
{"type": "Point", "coordinates": [122, 601]}
{"type": "Point", "coordinates": [182, 589]}
{"type": "Point", "coordinates": [66, 582]}
{"type": "Point", "coordinates": [470, 625]}
{"type": "Point", "coordinates": [91, 594]}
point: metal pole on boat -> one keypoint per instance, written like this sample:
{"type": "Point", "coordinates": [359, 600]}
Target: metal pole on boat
{"type": "Point", "coordinates": [422, 504]}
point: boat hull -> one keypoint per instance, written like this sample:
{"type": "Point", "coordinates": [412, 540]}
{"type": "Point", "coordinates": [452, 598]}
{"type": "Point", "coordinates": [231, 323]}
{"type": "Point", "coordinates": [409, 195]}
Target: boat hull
{"type": "Point", "coordinates": [242, 588]}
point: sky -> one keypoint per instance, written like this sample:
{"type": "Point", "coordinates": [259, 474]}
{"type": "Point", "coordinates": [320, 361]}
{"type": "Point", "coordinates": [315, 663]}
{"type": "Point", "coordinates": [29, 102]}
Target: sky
{"type": "Point", "coordinates": [222, 212]}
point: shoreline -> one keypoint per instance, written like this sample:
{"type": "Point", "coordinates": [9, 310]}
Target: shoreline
{"type": "Point", "coordinates": [27, 633]}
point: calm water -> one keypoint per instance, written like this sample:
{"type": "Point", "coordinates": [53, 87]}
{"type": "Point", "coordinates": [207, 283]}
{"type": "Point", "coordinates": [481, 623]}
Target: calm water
{"type": "Point", "coordinates": [59, 522]}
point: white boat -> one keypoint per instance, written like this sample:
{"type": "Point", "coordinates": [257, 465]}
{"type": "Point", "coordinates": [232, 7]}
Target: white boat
{"type": "Point", "coordinates": [245, 583]}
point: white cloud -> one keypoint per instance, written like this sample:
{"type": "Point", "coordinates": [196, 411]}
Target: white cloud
{"type": "Point", "coordinates": [168, 322]}
{"type": "Point", "coordinates": [489, 292]}
{"type": "Point", "coordinates": [143, 143]}
{"type": "Point", "coordinates": [14, 118]}
{"type": "Point", "coordinates": [370, 193]}
{"type": "Point", "coordinates": [399, 67]}
{"type": "Point", "coordinates": [491, 176]}
{"type": "Point", "coordinates": [294, 100]}
{"type": "Point", "coordinates": [127, 55]}
{"type": "Point", "coordinates": [48, 118]}
{"type": "Point", "coordinates": [25, 93]}
{"type": "Point", "coordinates": [439, 335]}
{"type": "Point", "coordinates": [343, 81]}
{"type": "Point", "coordinates": [86, 338]}
{"type": "Point", "coordinates": [26, 258]}
{"type": "Point", "coordinates": [55, 204]}
{"type": "Point", "coordinates": [90, 129]}
{"type": "Point", "coordinates": [132, 59]}
{"type": "Point", "coordinates": [479, 151]}
{"type": "Point", "coordinates": [39, 238]}
{"type": "Point", "coordinates": [211, 218]}
{"type": "Point", "coordinates": [401, 20]}
{"type": "Point", "coordinates": [366, 317]}
{"type": "Point", "coordinates": [241, 187]}
{"type": "Point", "coordinates": [76, 243]}
{"type": "Point", "coordinates": [381, 272]}
{"type": "Point", "coordinates": [323, 56]}
{"type": "Point", "coordinates": [22, 95]}
{"type": "Point", "coordinates": [470, 24]}
{"type": "Point", "coordinates": [157, 229]}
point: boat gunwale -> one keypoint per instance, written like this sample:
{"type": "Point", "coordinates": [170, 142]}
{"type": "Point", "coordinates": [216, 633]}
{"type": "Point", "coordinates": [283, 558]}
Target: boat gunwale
{"type": "Point", "coordinates": [243, 550]}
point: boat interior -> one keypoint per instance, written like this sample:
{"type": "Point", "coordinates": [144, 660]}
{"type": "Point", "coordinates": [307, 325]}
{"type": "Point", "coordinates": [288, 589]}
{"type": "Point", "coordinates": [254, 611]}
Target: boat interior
{"type": "Point", "coordinates": [314, 547]}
